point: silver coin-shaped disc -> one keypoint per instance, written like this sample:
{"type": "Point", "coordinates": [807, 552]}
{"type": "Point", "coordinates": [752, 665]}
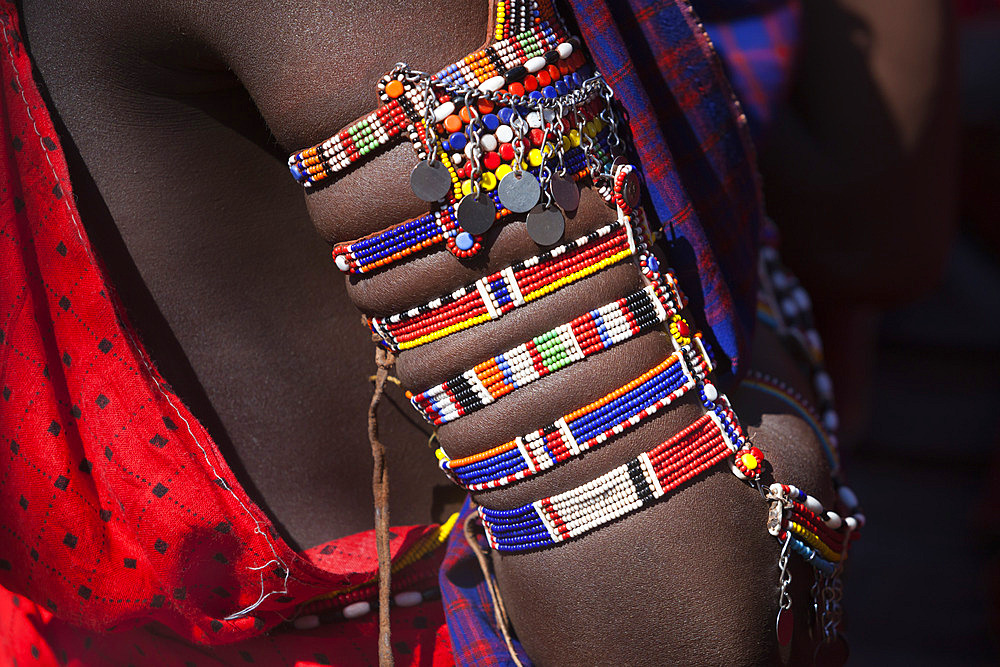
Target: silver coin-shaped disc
{"type": "Point", "coordinates": [565, 193]}
{"type": "Point", "coordinates": [519, 191]}
{"type": "Point", "coordinates": [630, 190]}
{"type": "Point", "coordinates": [476, 214]}
{"type": "Point", "coordinates": [545, 225]}
{"type": "Point", "coordinates": [430, 181]}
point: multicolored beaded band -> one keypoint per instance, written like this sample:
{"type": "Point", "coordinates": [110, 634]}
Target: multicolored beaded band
{"type": "Point", "coordinates": [584, 336]}
{"type": "Point", "coordinates": [626, 489]}
{"type": "Point", "coordinates": [491, 297]}
{"type": "Point", "coordinates": [577, 432]}
{"type": "Point", "coordinates": [396, 243]}
{"type": "Point", "coordinates": [533, 61]}
{"type": "Point", "coordinates": [820, 536]}
{"type": "Point", "coordinates": [769, 384]}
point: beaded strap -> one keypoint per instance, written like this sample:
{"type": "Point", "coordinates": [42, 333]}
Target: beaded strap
{"type": "Point", "coordinates": [586, 335]}
{"type": "Point", "coordinates": [820, 536]}
{"type": "Point", "coordinates": [396, 243]}
{"type": "Point", "coordinates": [492, 297]}
{"type": "Point", "coordinates": [626, 489]}
{"type": "Point", "coordinates": [570, 436]}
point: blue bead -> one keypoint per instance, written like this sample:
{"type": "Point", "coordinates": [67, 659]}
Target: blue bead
{"type": "Point", "coordinates": [296, 172]}
{"type": "Point", "coordinates": [458, 141]}
{"type": "Point", "coordinates": [653, 263]}
{"type": "Point", "coordinates": [534, 96]}
{"type": "Point", "coordinates": [561, 87]}
{"type": "Point", "coordinates": [464, 241]}
{"type": "Point", "coordinates": [550, 92]}
{"type": "Point", "coordinates": [575, 78]}
{"type": "Point", "coordinates": [491, 122]}
{"type": "Point", "coordinates": [506, 114]}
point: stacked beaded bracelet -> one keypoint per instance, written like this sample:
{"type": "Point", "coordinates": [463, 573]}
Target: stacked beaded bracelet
{"type": "Point", "coordinates": [568, 437]}
{"type": "Point", "coordinates": [582, 337]}
{"type": "Point", "coordinates": [493, 296]}
{"type": "Point", "coordinates": [626, 489]}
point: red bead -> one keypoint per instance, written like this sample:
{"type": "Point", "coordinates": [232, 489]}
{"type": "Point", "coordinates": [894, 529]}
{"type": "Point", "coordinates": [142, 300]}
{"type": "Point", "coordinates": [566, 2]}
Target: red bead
{"type": "Point", "coordinates": [530, 83]}
{"type": "Point", "coordinates": [492, 160]}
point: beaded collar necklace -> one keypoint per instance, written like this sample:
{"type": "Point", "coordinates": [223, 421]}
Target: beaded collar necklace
{"type": "Point", "coordinates": [511, 130]}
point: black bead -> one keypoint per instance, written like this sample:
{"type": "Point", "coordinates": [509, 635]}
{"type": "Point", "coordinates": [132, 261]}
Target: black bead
{"type": "Point", "coordinates": [515, 74]}
{"type": "Point", "coordinates": [551, 57]}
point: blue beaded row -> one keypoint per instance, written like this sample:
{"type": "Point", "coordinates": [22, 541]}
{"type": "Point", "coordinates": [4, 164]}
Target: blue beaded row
{"type": "Point", "coordinates": [583, 428]}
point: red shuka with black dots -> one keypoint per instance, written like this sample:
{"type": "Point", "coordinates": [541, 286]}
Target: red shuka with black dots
{"type": "Point", "coordinates": [124, 536]}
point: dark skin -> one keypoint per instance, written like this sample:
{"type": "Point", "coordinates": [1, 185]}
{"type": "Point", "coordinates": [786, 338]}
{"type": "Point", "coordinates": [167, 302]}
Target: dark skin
{"type": "Point", "coordinates": [169, 110]}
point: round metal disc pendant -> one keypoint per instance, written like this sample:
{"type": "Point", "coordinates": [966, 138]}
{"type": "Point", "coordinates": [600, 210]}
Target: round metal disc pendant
{"type": "Point", "coordinates": [430, 181]}
{"type": "Point", "coordinates": [476, 214]}
{"type": "Point", "coordinates": [630, 190]}
{"type": "Point", "coordinates": [565, 193]}
{"type": "Point", "coordinates": [545, 225]}
{"type": "Point", "coordinates": [519, 191]}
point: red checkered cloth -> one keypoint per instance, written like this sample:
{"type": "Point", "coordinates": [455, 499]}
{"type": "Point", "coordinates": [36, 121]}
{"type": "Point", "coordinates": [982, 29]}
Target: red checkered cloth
{"type": "Point", "coordinates": [118, 514]}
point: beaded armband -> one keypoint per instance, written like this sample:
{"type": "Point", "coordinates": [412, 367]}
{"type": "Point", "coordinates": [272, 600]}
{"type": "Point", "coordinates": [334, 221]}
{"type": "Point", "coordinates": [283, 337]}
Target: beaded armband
{"type": "Point", "coordinates": [577, 432]}
{"type": "Point", "coordinates": [493, 296]}
{"type": "Point", "coordinates": [626, 489]}
{"type": "Point", "coordinates": [507, 130]}
{"type": "Point", "coordinates": [584, 336]}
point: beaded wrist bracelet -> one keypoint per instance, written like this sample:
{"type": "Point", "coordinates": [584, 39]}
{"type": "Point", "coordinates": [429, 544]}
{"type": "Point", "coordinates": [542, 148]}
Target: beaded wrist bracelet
{"type": "Point", "coordinates": [584, 336]}
{"type": "Point", "coordinates": [491, 297]}
{"type": "Point", "coordinates": [577, 432]}
{"type": "Point", "coordinates": [624, 490]}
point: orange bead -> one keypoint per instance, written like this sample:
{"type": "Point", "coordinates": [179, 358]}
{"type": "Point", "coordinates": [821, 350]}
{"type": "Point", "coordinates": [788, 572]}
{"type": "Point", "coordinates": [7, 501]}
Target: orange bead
{"type": "Point", "coordinates": [516, 89]}
{"type": "Point", "coordinates": [453, 123]}
{"type": "Point", "coordinates": [485, 106]}
{"type": "Point", "coordinates": [394, 88]}
{"type": "Point", "coordinates": [464, 114]}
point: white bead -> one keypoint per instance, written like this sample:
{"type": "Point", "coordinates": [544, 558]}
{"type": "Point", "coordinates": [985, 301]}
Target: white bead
{"type": "Point", "coordinates": [534, 119]}
{"type": "Point", "coordinates": [492, 84]}
{"type": "Point", "coordinates": [831, 421]}
{"type": "Point", "coordinates": [847, 497]}
{"type": "Point", "coordinates": [802, 298]}
{"type": "Point", "coordinates": [534, 64]}
{"type": "Point", "coordinates": [408, 599]}
{"type": "Point", "coordinates": [851, 523]}
{"type": "Point", "coordinates": [488, 142]}
{"type": "Point", "coordinates": [457, 158]}
{"type": "Point", "coordinates": [505, 134]}
{"type": "Point", "coordinates": [824, 385]}
{"type": "Point", "coordinates": [711, 393]}
{"type": "Point", "coordinates": [860, 518]}
{"type": "Point", "coordinates": [444, 111]}
{"type": "Point", "coordinates": [565, 50]}
{"type": "Point", "coordinates": [833, 520]}
{"type": "Point", "coordinates": [306, 622]}
{"type": "Point", "coordinates": [776, 489]}
{"type": "Point", "coordinates": [815, 506]}
{"type": "Point", "coordinates": [342, 263]}
{"type": "Point", "coordinates": [357, 609]}
{"type": "Point", "coordinates": [549, 115]}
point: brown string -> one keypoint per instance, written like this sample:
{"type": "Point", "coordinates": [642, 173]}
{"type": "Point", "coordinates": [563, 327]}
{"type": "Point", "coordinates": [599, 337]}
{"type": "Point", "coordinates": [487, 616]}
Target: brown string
{"type": "Point", "coordinates": [499, 610]}
{"type": "Point", "coordinates": [384, 359]}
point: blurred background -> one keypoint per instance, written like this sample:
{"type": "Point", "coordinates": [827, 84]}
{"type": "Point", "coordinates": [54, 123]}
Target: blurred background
{"type": "Point", "coordinates": [922, 416]}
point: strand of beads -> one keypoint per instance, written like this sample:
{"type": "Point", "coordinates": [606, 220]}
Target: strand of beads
{"type": "Point", "coordinates": [584, 336]}
{"type": "Point", "coordinates": [491, 297]}
{"type": "Point", "coordinates": [575, 433]}
{"type": "Point", "coordinates": [624, 490]}
{"type": "Point", "coordinates": [819, 535]}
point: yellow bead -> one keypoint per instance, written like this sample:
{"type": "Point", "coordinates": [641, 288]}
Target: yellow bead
{"type": "Point", "coordinates": [574, 137]}
{"type": "Point", "coordinates": [534, 157]}
{"type": "Point", "coordinates": [590, 129]}
{"type": "Point", "coordinates": [567, 143]}
{"type": "Point", "coordinates": [466, 188]}
{"type": "Point", "coordinates": [488, 181]}
{"type": "Point", "coordinates": [749, 460]}
{"type": "Point", "coordinates": [502, 171]}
